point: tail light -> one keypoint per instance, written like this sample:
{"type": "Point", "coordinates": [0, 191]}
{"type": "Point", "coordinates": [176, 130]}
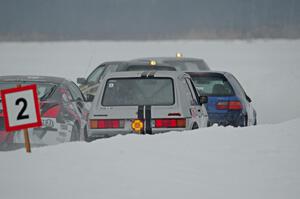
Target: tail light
{"type": "Point", "coordinates": [229, 105]}
{"type": "Point", "coordinates": [107, 124]}
{"type": "Point", "coordinates": [170, 123]}
{"type": "Point", "coordinates": [52, 112]}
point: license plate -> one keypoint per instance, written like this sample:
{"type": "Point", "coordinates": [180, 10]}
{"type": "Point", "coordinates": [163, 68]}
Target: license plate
{"type": "Point", "coordinates": [48, 123]}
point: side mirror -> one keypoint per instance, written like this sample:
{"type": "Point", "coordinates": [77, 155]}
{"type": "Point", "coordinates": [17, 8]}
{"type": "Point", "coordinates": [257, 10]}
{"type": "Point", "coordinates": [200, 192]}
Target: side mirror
{"type": "Point", "coordinates": [248, 98]}
{"type": "Point", "coordinates": [81, 80]}
{"type": "Point", "coordinates": [203, 100]}
{"type": "Point", "coordinates": [89, 97]}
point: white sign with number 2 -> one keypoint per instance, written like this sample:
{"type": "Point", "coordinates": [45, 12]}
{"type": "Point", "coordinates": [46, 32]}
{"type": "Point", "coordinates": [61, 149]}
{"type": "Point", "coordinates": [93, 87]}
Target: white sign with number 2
{"type": "Point", "coordinates": [21, 108]}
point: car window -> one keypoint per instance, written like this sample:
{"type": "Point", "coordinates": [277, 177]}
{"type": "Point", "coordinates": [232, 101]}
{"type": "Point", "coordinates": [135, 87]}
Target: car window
{"type": "Point", "coordinates": [193, 93]}
{"type": "Point", "coordinates": [94, 76]}
{"type": "Point", "coordinates": [75, 92]}
{"type": "Point", "coordinates": [213, 85]}
{"type": "Point", "coordinates": [44, 90]}
{"type": "Point", "coordinates": [187, 65]}
{"type": "Point", "coordinates": [110, 68]}
{"type": "Point", "coordinates": [138, 91]}
{"type": "Point", "coordinates": [237, 85]}
{"type": "Point", "coordinates": [61, 94]}
{"type": "Point", "coordinates": [187, 92]}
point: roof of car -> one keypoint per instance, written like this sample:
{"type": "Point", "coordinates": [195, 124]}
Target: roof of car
{"type": "Point", "coordinates": [161, 59]}
{"type": "Point", "coordinates": [147, 64]}
{"type": "Point", "coordinates": [180, 63]}
{"type": "Point", "coordinates": [24, 78]}
{"type": "Point", "coordinates": [141, 62]}
{"type": "Point", "coordinates": [208, 72]}
{"type": "Point", "coordinates": [173, 74]}
{"type": "Point", "coordinates": [133, 63]}
{"type": "Point", "coordinates": [112, 63]}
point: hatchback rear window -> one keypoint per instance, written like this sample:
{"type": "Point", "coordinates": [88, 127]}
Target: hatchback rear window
{"type": "Point", "coordinates": [185, 65]}
{"type": "Point", "coordinates": [43, 89]}
{"type": "Point", "coordinates": [214, 85]}
{"type": "Point", "coordinates": [138, 91]}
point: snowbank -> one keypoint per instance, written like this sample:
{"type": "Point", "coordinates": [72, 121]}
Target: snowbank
{"type": "Point", "coordinates": [255, 162]}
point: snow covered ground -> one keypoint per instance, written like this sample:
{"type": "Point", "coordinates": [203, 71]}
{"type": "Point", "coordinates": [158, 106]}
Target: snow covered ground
{"type": "Point", "coordinates": [261, 162]}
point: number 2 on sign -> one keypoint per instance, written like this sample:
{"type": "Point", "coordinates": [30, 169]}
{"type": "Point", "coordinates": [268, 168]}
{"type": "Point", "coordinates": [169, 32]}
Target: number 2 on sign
{"type": "Point", "coordinates": [21, 115]}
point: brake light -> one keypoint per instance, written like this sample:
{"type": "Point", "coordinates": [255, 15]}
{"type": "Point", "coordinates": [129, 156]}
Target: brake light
{"type": "Point", "coordinates": [170, 123]}
{"type": "Point", "coordinates": [229, 105]}
{"type": "Point", "coordinates": [235, 105]}
{"type": "Point", "coordinates": [52, 112]}
{"type": "Point", "coordinates": [107, 124]}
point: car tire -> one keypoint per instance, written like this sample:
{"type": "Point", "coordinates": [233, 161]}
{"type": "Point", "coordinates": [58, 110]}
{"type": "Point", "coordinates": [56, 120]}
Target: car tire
{"type": "Point", "coordinates": [75, 135]}
{"type": "Point", "coordinates": [255, 122]}
{"type": "Point", "coordinates": [5, 146]}
{"type": "Point", "coordinates": [245, 121]}
{"type": "Point", "coordinates": [86, 137]}
{"type": "Point", "coordinates": [195, 126]}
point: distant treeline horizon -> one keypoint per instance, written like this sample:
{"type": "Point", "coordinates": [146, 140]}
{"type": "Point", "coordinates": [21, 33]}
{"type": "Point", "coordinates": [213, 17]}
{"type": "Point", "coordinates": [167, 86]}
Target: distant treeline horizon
{"type": "Point", "coordinates": [58, 20]}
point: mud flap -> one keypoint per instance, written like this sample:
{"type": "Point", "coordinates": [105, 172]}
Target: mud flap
{"type": "Point", "coordinates": [141, 115]}
{"type": "Point", "coordinates": [148, 120]}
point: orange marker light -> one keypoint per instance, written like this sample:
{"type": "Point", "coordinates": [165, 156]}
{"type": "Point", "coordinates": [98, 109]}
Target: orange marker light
{"type": "Point", "coordinates": [137, 126]}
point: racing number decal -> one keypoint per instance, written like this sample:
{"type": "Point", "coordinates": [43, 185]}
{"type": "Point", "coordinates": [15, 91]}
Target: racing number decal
{"type": "Point", "coordinates": [24, 103]}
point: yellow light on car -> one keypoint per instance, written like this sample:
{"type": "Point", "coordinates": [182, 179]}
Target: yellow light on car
{"type": "Point", "coordinates": [93, 124]}
{"type": "Point", "coordinates": [137, 126]}
{"type": "Point", "coordinates": [152, 63]}
{"type": "Point", "coordinates": [179, 55]}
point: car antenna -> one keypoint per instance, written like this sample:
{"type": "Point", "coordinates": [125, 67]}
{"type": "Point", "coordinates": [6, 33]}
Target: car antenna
{"type": "Point", "coordinates": [90, 61]}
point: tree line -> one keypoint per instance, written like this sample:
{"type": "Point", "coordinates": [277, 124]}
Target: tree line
{"type": "Point", "coordinates": [148, 19]}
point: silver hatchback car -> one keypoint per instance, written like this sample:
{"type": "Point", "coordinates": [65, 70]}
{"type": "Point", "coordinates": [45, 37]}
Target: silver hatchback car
{"type": "Point", "coordinates": [145, 102]}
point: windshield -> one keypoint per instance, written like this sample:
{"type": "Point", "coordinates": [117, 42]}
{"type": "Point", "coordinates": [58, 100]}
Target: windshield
{"type": "Point", "coordinates": [212, 85]}
{"type": "Point", "coordinates": [186, 65]}
{"type": "Point", "coordinates": [44, 89]}
{"type": "Point", "coordinates": [138, 91]}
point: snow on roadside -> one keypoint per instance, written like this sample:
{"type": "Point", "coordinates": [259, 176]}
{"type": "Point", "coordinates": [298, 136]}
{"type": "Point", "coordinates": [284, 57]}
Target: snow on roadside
{"type": "Point", "coordinates": [255, 162]}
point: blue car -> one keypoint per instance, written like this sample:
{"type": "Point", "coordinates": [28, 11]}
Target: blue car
{"type": "Point", "coordinates": [228, 103]}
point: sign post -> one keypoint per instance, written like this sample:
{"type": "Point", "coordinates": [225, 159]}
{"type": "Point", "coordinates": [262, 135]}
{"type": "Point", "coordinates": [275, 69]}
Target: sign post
{"type": "Point", "coordinates": [21, 110]}
{"type": "Point", "coordinates": [27, 141]}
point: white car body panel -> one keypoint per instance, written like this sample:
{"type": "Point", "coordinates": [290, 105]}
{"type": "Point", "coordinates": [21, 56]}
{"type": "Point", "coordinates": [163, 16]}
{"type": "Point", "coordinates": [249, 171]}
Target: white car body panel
{"type": "Point", "coordinates": [193, 114]}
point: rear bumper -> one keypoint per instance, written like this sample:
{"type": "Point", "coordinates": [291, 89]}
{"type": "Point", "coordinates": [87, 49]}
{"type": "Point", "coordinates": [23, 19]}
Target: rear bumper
{"type": "Point", "coordinates": [45, 135]}
{"type": "Point", "coordinates": [99, 133]}
{"type": "Point", "coordinates": [232, 118]}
